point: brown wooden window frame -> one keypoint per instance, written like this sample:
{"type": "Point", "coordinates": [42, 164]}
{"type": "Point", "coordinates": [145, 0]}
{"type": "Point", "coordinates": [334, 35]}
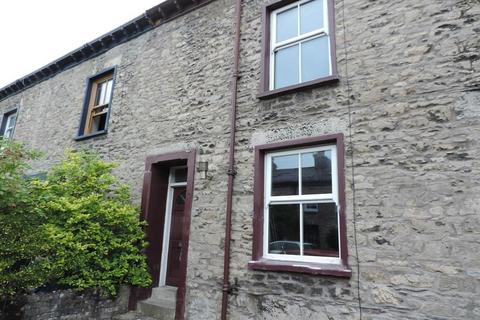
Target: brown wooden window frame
{"type": "Point", "coordinates": [86, 122]}
{"type": "Point", "coordinates": [259, 262]}
{"type": "Point", "coordinates": [265, 91]}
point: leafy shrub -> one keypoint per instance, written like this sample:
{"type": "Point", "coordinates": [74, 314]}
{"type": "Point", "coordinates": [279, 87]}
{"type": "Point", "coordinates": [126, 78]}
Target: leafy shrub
{"type": "Point", "coordinates": [76, 229]}
{"type": "Point", "coordinates": [23, 241]}
{"type": "Point", "coordinates": [93, 229]}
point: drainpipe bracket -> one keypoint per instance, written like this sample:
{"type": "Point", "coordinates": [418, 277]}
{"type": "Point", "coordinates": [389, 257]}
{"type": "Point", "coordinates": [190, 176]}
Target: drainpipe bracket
{"type": "Point", "coordinates": [226, 288]}
{"type": "Point", "coordinates": [232, 172]}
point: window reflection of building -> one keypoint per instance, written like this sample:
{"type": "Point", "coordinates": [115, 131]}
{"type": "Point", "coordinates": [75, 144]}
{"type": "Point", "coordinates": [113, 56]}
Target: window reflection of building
{"type": "Point", "coordinates": [316, 174]}
{"type": "Point", "coordinates": [320, 229]}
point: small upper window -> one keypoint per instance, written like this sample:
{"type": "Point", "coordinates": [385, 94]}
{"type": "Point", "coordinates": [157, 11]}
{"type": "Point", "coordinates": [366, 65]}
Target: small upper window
{"type": "Point", "coordinates": [300, 46]}
{"type": "Point", "coordinates": [8, 124]}
{"type": "Point", "coordinates": [97, 106]}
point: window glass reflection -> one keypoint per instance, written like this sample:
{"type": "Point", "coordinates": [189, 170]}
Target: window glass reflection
{"type": "Point", "coordinates": [315, 59]}
{"type": "Point", "coordinates": [286, 66]}
{"type": "Point", "coordinates": [311, 16]}
{"type": "Point", "coordinates": [284, 229]}
{"type": "Point", "coordinates": [317, 172]}
{"type": "Point", "coordinates": [180, 175]}
{"type": "Point", "coordinates": [320, 230]}
{"type": "Point", "coordinates": [287, 24]}
{"type": "Point", "coordinates": [285, 175]}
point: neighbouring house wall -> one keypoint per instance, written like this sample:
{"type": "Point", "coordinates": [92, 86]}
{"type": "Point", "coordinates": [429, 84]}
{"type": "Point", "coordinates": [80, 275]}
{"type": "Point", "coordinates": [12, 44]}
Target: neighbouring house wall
{"type": "Point", "coordinates": [409, 99]}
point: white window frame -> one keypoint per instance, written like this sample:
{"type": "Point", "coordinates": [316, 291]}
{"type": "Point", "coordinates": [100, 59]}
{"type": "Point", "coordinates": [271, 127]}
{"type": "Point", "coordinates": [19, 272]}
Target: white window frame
{"type": "Point", "coordinates": [168, 221]}
{"type": "Point", "coordinates": [275, 46]}
{"type": "Point", "coordinates": [300, 199]}
{"type": "Point", "coordinates": [9, 128]}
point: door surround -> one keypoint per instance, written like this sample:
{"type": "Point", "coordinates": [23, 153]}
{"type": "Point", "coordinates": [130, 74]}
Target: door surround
{"type": "Point", "coordinates": [154, 200]}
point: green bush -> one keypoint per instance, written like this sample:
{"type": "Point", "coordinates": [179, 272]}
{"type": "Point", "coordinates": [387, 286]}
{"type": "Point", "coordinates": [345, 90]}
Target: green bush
{"type": "Point", "coordinates": [82, 233]}
{"type": "Point", "coordinates": [23, 240]}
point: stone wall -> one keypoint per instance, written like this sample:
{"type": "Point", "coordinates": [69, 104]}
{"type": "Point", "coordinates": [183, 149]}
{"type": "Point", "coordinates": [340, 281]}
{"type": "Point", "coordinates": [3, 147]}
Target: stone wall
{"type": "Point", "coordinates": [412, 160]}
{"type": "Point", "coordinates": [407, 102]}
{"type": "Point", "coordinates": [66, 304]}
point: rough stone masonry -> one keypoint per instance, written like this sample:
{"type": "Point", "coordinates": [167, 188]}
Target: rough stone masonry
{"type": "Point", "coordinates": [407, 101]}
{"type": "Point", "coordinates": [65, 304]}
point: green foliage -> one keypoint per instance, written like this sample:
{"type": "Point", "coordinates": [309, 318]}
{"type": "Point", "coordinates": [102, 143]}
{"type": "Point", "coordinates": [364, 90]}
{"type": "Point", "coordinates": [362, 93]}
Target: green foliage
{"type": "Point", "coordinates": [23, 243]}
{"type": "Point", "coordinates": [84, 232]}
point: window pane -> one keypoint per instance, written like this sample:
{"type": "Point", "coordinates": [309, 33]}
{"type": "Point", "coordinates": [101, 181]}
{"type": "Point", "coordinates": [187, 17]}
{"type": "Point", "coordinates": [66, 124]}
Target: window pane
{"type": "Point", "coordinates": [311, 16]}
{"type": "Point", "coordinates": [12, 120]}
{"type": "Point", "coordinates": [180, 175]}
{"type": "Point", "coordinates": [320, 230]}
{"type": "Point", "coordinates": [10, 125]}
{"type": "Point", "coordinates": [285, 175]}
{"type": "Point", "coordinates": [286, 66]}
{"type": "Point", "coordinates": [103, 122]}
{"type": "Point", "coordinates": [181, 199]}
{"type": "Point", "coordinates": [109, 91]}
{"type": "Point", "coordinates": [99, 122]}
{"type": "Point", "coordinates": [284, 229]}
{"type": "Point", "coordinates": [98, 94]}
{"type": "Point", "coordinates": [287, 24]}
{"type": "Point", "coordinates": [315, 59]}
{"type": "Point", "coordinates": [8, 133]}
{"type": "Point", "coordinates": [103, 92]}
{"type": "Point", "coordinates": [95, 124]}
{"type": "Point", "coordinates": [317, 172]}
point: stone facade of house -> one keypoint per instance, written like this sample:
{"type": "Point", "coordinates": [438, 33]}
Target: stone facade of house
{"type": "Point", "coordinates": [407, 102]}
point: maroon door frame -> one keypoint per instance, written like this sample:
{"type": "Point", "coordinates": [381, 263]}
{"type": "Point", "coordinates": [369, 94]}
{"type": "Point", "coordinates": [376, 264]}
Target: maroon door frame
{"type": "Point", "coordinates": [154, 198]}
